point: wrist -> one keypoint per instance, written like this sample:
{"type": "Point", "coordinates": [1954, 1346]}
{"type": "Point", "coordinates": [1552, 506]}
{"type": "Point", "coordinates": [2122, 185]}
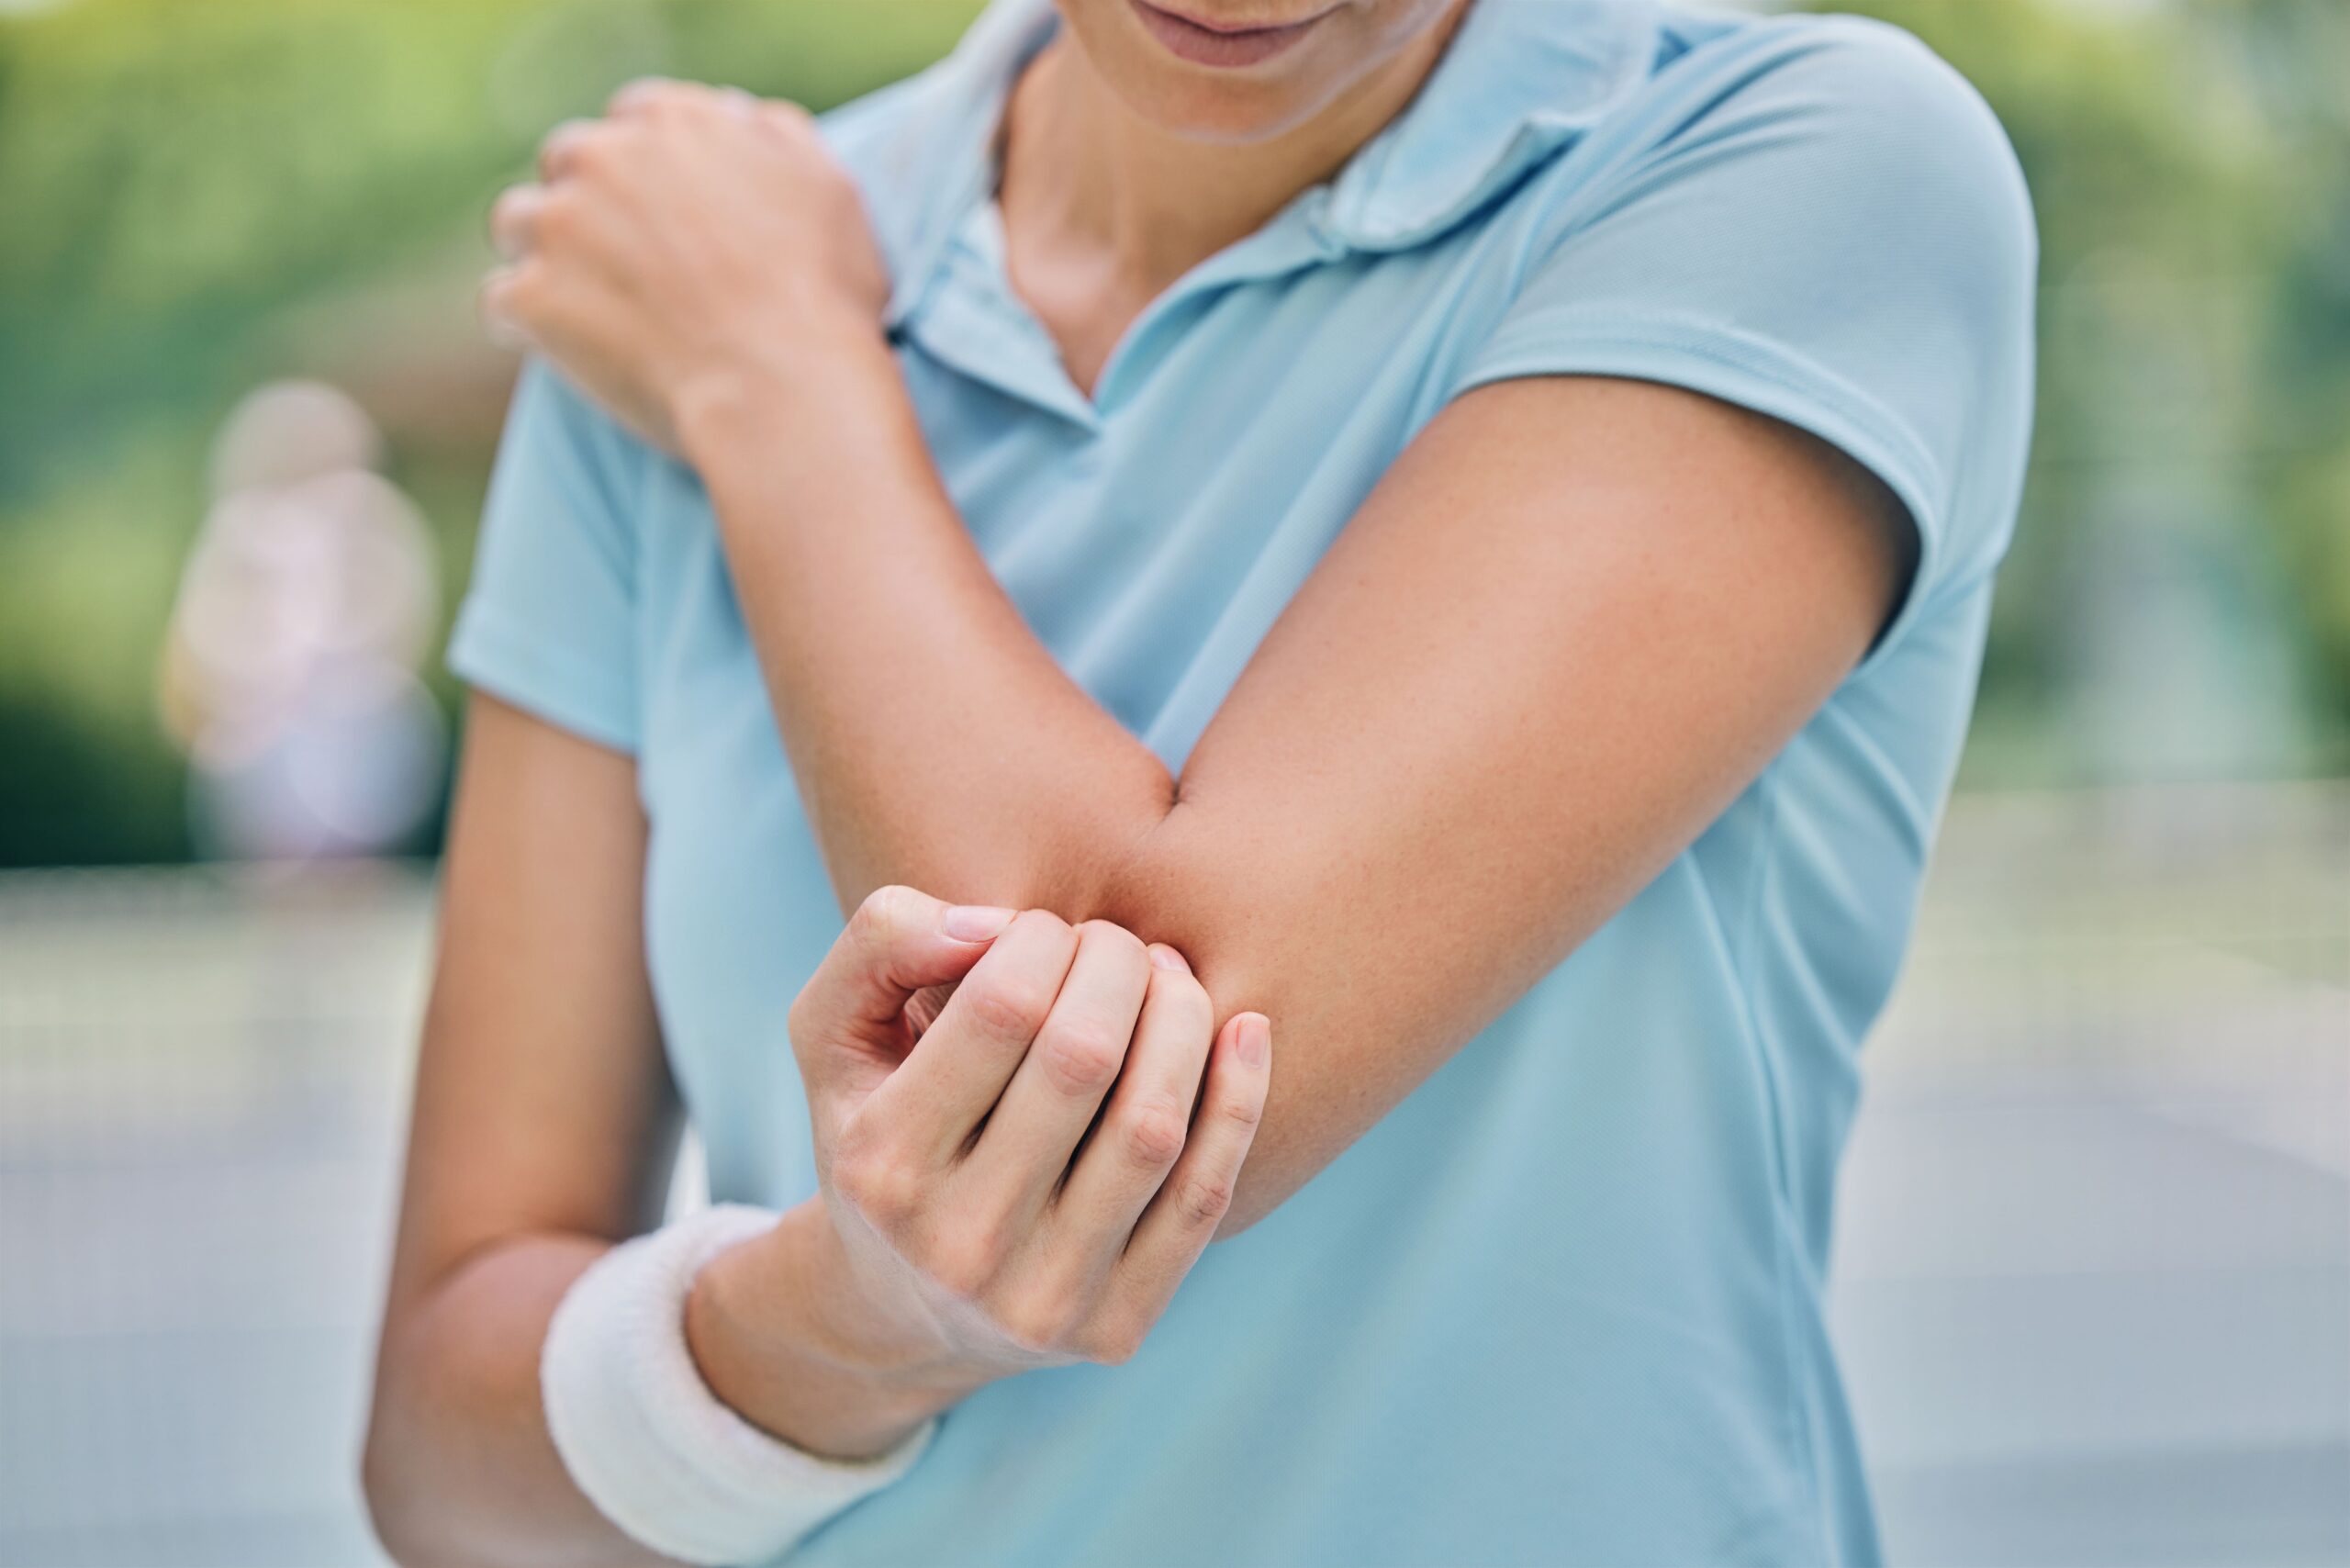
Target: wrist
{"type": "Point", "coordinates": [779, 1333]}
{"type": "Point", "coordinates": [646, 1437]}
{"type": "Point", "coordinates": [744, 405]}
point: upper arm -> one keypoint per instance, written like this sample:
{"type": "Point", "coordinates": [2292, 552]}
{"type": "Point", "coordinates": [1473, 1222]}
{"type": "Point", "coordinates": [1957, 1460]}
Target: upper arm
{"type": "Point", "coordinates": [542, 1101]}
{"type": "Point", "coordinates": [1707, 450]}
{"type": "Point", "coordinates": [1573, 622]}
{"type": "Point", "coordinates": [1841, 239]}
{"type": "Point", "coordinates": [550, 621]}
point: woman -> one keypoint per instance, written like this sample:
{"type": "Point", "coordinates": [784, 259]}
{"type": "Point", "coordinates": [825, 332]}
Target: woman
{"type": "Point", "coordinates": [1466, 526]}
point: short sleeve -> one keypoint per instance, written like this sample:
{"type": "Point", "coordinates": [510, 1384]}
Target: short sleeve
{"type": "Point", "coordinates": [1833, 232]}
{"type": "Point", "coordinates": [549, 622]}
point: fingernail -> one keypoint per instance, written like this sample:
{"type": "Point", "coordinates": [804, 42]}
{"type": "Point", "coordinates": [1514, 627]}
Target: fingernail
{"type": "Point", "coordinates": [1166, 957]}
{"type": "Point", "coordinates": [1254, 1039]}
{"type": "Point", "coordinates": [975, 922]}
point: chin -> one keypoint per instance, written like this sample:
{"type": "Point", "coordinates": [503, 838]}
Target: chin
{"type": "Point", "coordinates": [1223, 113]}
{"type": "Point", "coordinates": [1349, 41]}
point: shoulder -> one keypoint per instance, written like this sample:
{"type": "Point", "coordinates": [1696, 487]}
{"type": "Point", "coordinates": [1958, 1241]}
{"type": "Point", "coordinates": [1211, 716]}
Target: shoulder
{"type": "Point", "coordinates": [1851, 103]}
{"type": "Point", "coordinates": [1795, 164]}
{"type": "Point", "coordinates": [1815, 218]}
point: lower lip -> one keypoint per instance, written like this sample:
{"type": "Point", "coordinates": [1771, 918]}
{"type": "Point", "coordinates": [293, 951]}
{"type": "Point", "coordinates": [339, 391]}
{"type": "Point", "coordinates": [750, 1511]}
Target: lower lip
{"type": "Point", "coordinates": [1207, 46]}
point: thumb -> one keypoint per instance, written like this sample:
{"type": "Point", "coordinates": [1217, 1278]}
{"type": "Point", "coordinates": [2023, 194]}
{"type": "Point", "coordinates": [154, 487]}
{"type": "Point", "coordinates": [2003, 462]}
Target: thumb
{"type": "Point", "coordinates": [898, 942]}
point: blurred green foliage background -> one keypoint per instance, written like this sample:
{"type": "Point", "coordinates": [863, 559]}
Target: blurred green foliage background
{"type": "Point", "coordinates": [197, 197]}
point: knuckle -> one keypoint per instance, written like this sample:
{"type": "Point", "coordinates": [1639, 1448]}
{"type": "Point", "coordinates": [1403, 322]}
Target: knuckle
{"type": "Point", "coordinates": [893, 1195]}
{"type": "Point", "coordinates": [1079, 1059]}
{"type": "Point", "coordinates": [641, 92]}
{"type": "Point", "coordinates": [511, 203]}
{"type": "Point", "coordinates": [856, 1145]}
{"type": "Point", "coordinates": [1114, 1342]}
{"type": "Point", "coordinates": [1204, 1199]}
{"type": "Point", "coordinates": [1110, 932]}
{"type": "Point", "coordinates": [799, 1019]}
{"type": "Point", "coordinates": [572, 147]}
{"type": "Point", "coordinates": [876, 1184]}
{"type": "Point", "coordinates": [515, 292]}
{"type": "Point", "coordinates": [1152, 1137]}
{"type": "Point", "coordinates": [556, 221]}
{"type": "Point", "coordinates": [796, 126]}
{"type": "Point", "coordinates": [853, 1177]}
{"type": "Point", "coordinates": [853, 1172]}
{"type": "Point", "coordinates": [884, 915]}
{"type": "Point", "coordinates": [591, 152]}
{"type": "Point", "coordinates": [1036, 1321]}
{"type": "Point", "coordinates": [1041, 922]}
{"type": "Point", "coordinates": [1241, 1113]}
{"type": "Point", "coordinates": [964, 1262]}
{"type": "Point", "coordinates": [1179, 995]}
{"type": "Point", "coordinates": [1007, 1008]}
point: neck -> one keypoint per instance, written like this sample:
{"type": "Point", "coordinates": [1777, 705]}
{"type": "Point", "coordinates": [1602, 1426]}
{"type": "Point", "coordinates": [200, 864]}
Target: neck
{"type": "Point", "coordinates": [1080, 165]}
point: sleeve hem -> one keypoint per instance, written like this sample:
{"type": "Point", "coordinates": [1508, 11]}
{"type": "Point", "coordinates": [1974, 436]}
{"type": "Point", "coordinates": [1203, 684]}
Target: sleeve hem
{"type": "Point", "coordinates": [1757, 374]}
{"type": "Point", "coordinates": [489, 653]}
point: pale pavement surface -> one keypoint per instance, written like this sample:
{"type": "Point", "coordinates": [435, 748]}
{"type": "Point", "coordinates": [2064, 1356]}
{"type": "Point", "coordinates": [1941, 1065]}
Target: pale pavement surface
{"type": "Point", "coordinates": [2093, 1280]}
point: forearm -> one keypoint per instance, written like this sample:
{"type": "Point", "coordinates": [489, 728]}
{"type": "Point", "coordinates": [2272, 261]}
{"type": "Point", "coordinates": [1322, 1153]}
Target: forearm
{"type": "Point", "coordinates": [459, 1466]}
{"type": "Point", "coordinates": [934, 740]}
{"type": "Point", "coordinates": [1389, 831]}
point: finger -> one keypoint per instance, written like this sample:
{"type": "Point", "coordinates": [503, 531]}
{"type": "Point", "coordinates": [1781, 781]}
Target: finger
{"type": "Point", "coordinates": [1182, 1219]}
{"type": "Point", "coordinates": [560, 152]}
{"type": "Point", "coordinates": [1148, 1122]}
{"type": "Point", "coordinates": [785, 116]}
{"type": "Point", "coordinates": [647, 93]}
{"type": "Point", "coordinates": [898, 942]}
{"type": "Point", "coordinates": [513, 220]}
{"type": "Point", "coordinates": [499, 303]}
{"type": "Point", "coordinates": [958, 1070]}
{"type": "Point", "coordinates": [1024, 1149]}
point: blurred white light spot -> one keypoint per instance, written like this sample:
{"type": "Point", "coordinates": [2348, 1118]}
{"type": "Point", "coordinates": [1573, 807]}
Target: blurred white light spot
{"type": "Point", "coordinates": [307, 604]}
{"type": "Point", "coordinates": [289, 430]}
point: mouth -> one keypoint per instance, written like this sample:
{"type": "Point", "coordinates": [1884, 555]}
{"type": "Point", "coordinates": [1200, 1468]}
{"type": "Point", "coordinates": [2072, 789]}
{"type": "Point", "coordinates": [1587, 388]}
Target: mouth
{"type": "Point", "coordinates": [1211, 43]}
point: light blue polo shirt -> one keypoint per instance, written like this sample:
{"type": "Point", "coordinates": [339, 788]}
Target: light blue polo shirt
{"type": "Point", "coordinates": [1563, 1305]}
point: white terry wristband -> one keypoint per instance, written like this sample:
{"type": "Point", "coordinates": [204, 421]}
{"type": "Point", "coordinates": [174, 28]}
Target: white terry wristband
{"type": "Point", "coordinates": [643, 1437]}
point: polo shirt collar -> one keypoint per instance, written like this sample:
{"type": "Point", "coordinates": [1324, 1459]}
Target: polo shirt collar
{"type": "Point", "coordinates": [1519, 82]}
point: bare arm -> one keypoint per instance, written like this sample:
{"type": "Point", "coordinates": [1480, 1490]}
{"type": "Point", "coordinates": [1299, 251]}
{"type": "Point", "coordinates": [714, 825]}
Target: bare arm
{"type": "Point", "coordinates": [1550, 650]}
{"type": "Point", "coordinates": [542, 1128]}
{"type": "Point", "coordinates": [956, 1168]}
{"type": "Point", "coordinates": [1575, 620]}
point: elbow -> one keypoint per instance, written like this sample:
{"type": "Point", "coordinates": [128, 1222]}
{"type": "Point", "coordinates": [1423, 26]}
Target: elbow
{"type": "Point", "coordinates": [1182, 883]}
{"type": "Point", "coordinates": [379, 1488]}
{"type": "Point", "coordinates": [389, 1525]}
{"type": "Point", "coordinates": [394, 1510]}
{"type": "Point", "coordinates": [408, 1519]}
